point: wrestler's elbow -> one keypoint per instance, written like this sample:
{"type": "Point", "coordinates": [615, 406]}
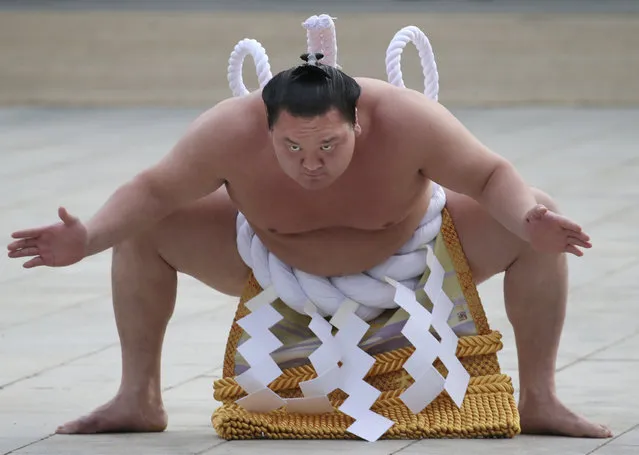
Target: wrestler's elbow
{"type": "Point", "coordinates": [152, 192]}
{"type": "Point", "coordinates": [493, 176]}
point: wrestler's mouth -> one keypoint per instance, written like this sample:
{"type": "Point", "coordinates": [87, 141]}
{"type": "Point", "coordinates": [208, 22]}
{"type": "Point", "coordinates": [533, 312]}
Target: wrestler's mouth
{"type": "Point", "coordinates": [314, 176]}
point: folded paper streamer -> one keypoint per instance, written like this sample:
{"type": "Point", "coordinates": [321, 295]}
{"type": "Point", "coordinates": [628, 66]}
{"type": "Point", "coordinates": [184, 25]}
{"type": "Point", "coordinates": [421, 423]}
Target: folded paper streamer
{"type": "Point", "coordinates": [257, 352]}
{"type": "Point", "coordinates": [429, 383]}
{"type": "Point", "coordinates": [341, 364]}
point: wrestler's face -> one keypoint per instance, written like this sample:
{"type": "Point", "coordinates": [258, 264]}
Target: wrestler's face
{"type": "Point", "coordinates": [314, 151]}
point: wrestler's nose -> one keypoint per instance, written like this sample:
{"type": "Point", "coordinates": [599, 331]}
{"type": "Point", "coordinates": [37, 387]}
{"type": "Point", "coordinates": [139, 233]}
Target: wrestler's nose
{"type": "Point", "coordinates": [312, 163]}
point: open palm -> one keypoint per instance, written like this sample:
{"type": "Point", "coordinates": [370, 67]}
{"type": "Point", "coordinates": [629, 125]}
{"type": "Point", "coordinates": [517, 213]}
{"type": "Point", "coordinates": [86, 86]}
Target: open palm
{"type": "Point", "coordinates": [553, 233]}
{"type": "Point", "coordinates": [57, 245]}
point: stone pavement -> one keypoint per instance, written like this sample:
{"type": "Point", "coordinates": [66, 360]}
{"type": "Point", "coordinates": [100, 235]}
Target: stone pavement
{"type": "Point", "coordinates": [59, 355]}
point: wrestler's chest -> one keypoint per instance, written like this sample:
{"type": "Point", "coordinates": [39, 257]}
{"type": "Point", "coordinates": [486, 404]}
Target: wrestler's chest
{"type": "Point", "coordinates": [366, 203]}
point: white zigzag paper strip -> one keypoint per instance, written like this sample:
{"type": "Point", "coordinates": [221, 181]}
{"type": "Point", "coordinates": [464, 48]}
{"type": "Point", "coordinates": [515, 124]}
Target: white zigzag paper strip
{"type": "Point", "coordinates": [429, 383]}
{"type": "Point", "coordinates": [344, 348]}
{"type": "Point", "coordinates": [324, 359]}
{"type": "Point", "coordinates": [257, 353]}
{"type": "Point", "coordinates": [458, 378]}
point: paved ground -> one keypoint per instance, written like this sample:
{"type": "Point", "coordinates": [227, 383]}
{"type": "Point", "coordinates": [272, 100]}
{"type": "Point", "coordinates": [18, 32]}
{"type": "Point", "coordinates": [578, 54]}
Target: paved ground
{"type": "Point", "coordinates": [59, 355]}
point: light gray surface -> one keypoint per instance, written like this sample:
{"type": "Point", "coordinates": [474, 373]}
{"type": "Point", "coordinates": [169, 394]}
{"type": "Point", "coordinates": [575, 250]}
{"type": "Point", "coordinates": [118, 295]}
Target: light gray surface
{"type": "Point", "coordinates": [59, 356]}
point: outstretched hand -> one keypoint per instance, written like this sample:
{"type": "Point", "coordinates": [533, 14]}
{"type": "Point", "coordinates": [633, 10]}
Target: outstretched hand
{"type": "Point", "coordinates": [552, 233]}
{"type": "Point", "coordinates": [57, 245]}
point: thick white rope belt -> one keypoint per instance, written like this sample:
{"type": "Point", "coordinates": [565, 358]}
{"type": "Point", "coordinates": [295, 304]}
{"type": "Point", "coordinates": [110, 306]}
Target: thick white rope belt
{"type": "Point", "coordinates": [369, 290]}
{"type": "Point", "coordinates": [339, 361]}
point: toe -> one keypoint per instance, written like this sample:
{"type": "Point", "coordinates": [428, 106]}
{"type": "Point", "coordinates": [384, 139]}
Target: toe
{"type": "Point", "coordinates": [606, 432]}
{"type": "Point", "coordinates": [79, 426]}
{"type": "Point", "coordinates": [67, 428]}
{"type": "Point", "coordinates": [593, 430]}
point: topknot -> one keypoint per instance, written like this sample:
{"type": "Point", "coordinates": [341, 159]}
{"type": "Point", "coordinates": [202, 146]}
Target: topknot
{"type": "Point", "coordinates": [312, 59]}
{"type": "Point", "coordinates": [312, 69]}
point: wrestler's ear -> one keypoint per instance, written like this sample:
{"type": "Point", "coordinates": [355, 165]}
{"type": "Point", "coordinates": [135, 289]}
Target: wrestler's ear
{"type": "Point", "coordinates": [356, 127]}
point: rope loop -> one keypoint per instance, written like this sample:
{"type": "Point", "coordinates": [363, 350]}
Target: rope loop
{"type": "Point", "coordinates": [236, 61]}
{"type": "Point", "coordinates": [429, 67]}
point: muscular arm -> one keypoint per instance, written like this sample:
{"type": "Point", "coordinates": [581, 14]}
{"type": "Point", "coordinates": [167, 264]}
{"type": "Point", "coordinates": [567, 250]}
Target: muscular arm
{"type": "Point", "coordinates": [457, 160]}
{"type": "Point", "coordinates": [192, 169]}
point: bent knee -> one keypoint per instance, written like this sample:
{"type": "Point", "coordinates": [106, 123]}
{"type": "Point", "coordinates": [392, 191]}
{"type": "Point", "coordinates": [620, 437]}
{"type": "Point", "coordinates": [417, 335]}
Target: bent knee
{"type": "Point", "coordinates": [136, 251]}
{"type": "Point", "coordinates": [148, 243]}
{"type": "Point", "coordinates": [147, 240]}
{"type": "Point", "coordinates": [545, 199]}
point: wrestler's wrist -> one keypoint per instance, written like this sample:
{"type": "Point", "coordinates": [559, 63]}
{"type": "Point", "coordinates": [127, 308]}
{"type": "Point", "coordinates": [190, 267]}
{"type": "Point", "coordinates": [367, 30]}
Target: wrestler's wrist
{"type": "Point", "coordinates": [524, 233]}
{"type": "Point", "coordinates": [91, 244]}
{"type": "Point", "coordinates": [526, 223]}
{"type": "Point", "coordinates": [94, 242]}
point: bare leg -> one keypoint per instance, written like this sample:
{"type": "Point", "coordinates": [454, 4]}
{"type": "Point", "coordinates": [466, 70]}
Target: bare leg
{"type": "Point", "coordinates": [535, 290]}
{"type": "Point", "coordinates": [200, 241]}
{"type": "Point", "coordinates": [142, 312]}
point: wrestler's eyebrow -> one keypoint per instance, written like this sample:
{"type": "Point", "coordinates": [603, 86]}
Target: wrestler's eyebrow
{"type": "Point", "coordinates": [330, 139]}
{"type": "Point", "coordinates": [290, 140]}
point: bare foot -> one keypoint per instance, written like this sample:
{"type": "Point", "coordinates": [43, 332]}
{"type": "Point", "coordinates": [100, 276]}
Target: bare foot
{"type": "Point", "coordinates": [120, 415]}
{"type": "Point", "coordinates": [549, 416]}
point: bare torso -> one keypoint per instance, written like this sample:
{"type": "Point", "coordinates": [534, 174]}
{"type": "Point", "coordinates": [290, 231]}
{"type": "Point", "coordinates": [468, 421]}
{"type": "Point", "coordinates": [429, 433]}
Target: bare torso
{"type": "Point", "coordinates": [354, 224]}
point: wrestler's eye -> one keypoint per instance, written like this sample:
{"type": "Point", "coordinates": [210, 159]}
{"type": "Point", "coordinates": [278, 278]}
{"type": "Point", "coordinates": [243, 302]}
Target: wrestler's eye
{"type": "Point", "coordinates": [294, 148]}
{"type": "Point", "coordinates": [327, 147]}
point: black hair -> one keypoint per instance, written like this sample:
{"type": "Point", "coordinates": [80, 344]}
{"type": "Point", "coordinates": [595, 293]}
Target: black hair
{"type": "Point", "coordinates": [309, 90]}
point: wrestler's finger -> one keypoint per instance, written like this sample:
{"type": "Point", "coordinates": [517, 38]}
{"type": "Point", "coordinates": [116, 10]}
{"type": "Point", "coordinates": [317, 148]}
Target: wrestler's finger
{"type": "Point", "coordinates": [578, 235]}
{"type": "Point", "coordinates": [28, 233]}
{"type": "Point", "coordinates": [66, 217]}
{"type": "Point", "coordinates": [570, 225]}
{"type": "Point", "coordinates": [23, 243]}
{"type": "Point", "coordinates": [35, 262]}
{"type": "Point", "coordinates": [579, 242]}
{"type": "Point", "coordinates": [574, 250]}
{"type": "Point", "coordinates": [32, 251]}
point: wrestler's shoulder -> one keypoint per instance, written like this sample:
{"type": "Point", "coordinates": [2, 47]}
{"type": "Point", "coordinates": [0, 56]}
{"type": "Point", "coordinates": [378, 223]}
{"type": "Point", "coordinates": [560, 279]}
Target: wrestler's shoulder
{"type": "Point", "coordinates": [231, 116]}
{"type": "Point", "coordinates": [390, 103]}
{"type": "Point", "coordinates": [220, 134]}
{"type": "Point", "coordinates": [407, 114]}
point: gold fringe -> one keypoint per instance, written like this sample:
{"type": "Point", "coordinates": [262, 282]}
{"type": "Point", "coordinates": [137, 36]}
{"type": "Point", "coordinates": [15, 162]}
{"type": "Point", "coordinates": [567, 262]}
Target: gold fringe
{"type": "Point", "coordinates": [488, 414]}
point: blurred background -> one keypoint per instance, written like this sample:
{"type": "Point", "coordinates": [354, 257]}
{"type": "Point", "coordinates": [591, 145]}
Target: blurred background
{"type": "Point", "coordinates": [174, 53]}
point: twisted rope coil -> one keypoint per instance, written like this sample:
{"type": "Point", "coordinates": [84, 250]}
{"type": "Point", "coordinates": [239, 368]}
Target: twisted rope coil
{"type": "Point", "coordinates": [243, 49]}
{"type": "Point", "coordinates": [429, 66]}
